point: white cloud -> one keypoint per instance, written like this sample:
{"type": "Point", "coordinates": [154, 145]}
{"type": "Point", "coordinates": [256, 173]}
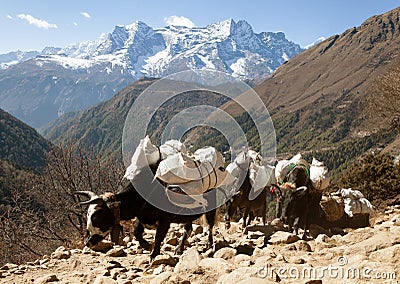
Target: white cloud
{"type": "Point", "coordinates": [179, 21]}
{"type": "Point", "coordinates": [75, 24]}
{"type": "Point", "coordinates": [86, 15]}
{"type": "Point", "coordinates": [36, 22]}
{"type": "Point", "coordinates": [10, 17]}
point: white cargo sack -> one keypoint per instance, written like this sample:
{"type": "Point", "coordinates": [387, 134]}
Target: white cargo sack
{"type": "Point", "coordinates": [200, 172]}
{"type": "Point", "coordinates": [356, 203]}
{"type": "Point", "coordinates": [172, 147]}
{"type": "Point", "coordinates": [351, 193]}
{"type": "Point", "coordinates": [282, 168]}
{"type": "Point", "coordinates": [145, 154]}
{"type": "Point", "coordinates": [238, 170]}
{"type": "Point", "coordinates": [319, 175]}
{"type": "Point", "coordinates": [260, 178]}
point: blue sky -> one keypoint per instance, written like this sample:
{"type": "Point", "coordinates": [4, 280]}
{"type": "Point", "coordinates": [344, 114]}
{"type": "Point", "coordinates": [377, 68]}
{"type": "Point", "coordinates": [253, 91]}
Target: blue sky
{"type": "Point", "coordinates": [35, 24]}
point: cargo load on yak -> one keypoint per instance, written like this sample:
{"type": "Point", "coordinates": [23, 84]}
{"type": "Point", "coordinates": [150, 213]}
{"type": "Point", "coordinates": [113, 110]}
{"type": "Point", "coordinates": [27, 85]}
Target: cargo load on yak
{"type": "Point", "coordinates": [333, 207]}
{"type": "Point", "coordinates": [317, 171]}
{"type": "Point", "coordinates": [283, 167]}
{"type": "Point", "coordinates": [251, 162]}
{"type": "Point", "coordinates": [355, 202]}
{"type": "Point", "coordinates": [195, 174]}
{"type": "Point", "coordinates": [238, 169]}
{"type": "Point", "coordinates": [319, 175]}
{"type": "Point", "coordinates": [260, 175]}
{"type": "Point", "coordinates": [148, 154]}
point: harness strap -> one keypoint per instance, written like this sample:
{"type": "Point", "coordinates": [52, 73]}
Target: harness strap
{"type": "Point", "coordinates": [292, 166]}
{"type": "Point", "coordinates": [198, 168]}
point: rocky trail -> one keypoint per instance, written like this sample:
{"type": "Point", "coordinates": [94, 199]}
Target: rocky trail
{"type": "Point", "coordinates": [258, 254]}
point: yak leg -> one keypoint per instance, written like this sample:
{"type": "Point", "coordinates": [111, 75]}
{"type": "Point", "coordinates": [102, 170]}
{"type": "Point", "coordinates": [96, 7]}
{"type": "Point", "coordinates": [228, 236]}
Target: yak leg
{"type": "Point", "coordinates": [186, 234]}
{"type": "Point", "coordinates": [278, 209]}
{"type": "Point", "coordinates": [228, 213]}
{"type": "Point", "coordinates": [231, 209]}
{"type": "Point", "coordinates": [246, 213]}
{"type": "Point", "coordinates": [296, 225]}
{"type": "Point", "coordinates": [264, 213]}
{"type": "Point", "coordinates": [210, 218]}
{"type": "Point", "coordinates": [161, 232]}
{"type": "Point", "coordinates": [251, 217]}
{"type": "Point", "coordinates": [138, 233]}
{"type": "Point", "coordinates": [306, 227]}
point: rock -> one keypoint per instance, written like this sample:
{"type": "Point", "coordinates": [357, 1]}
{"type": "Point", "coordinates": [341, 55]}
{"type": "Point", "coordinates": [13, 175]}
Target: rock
{"type": "Point", "coordinates": [242, 273]}
{"type": "Point", "coordinates": [396, 220]}
{"type": "Point", "coordinates": [103, 246]}
{"type": "Point", "coordinates": [141, 260]}
{"type": "Point", "coordinates": [117, 272]}
{"type": "Point", "coordinates": [46, 279]}
{"type": "Point", "coordinates": [380, 240]}
{"type": "Point", "coordinates": [189, 261]}
{"type": "Point", "coordinates": [219, 265]}
{"type": "Point", "coordinates": [104, 280]}
{"type": "Point", "coordinates": [329, 256]}
{"type": "Point", "coordinates": [167, 247]}
{"type": "Point", "coordinates": [322, 238]}
{"type": "Point", "coordinates": [61, 253]}
{"type": "Point", "coordinates": [158, 269]}
{"type": "Point", "coordinates": [358, 235]}
{"type": "Point", "coordinates": [86, 250]}
{"type": "Point", "coordinates": [9, 266]}
{"type": "Point", "coordinates": [225, 253]}
{"type": "Point", "coordinates": [280, 257]}
{"type": "Point", "coordinates": [113, 264]}
{"type": "Point", "coordinates": [387, 255]}
{"type": "Point", "coordinates": [281, 237]}
{"type": "Point", "coordinates": [164, 259]}
{"type": "Point", "coordinates": [242, 260]}
{"type": "Point", "coordinates": [255, 280]}
{"type": "Point", "coordinates": [302, 245]}
{"type": "Point", "coordinates": [116, 251]}
{"type": "Point", "coordinates": [197, 229]}
{"type": "Point", "coordinates": [299, 261]}
{"type": "Point", "coordinates": [277, 223]}
{"type": "Point", "coordinates": [172, 241]}
{"type": "Point", "coordinates": [162, 278]}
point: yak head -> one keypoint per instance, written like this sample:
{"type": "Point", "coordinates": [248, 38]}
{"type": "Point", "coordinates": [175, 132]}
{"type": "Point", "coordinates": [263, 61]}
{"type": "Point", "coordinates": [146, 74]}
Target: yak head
{"type": "Point", "coordinates": [291, 200]}
{"type": "Point", "coordinates": [101, 219]}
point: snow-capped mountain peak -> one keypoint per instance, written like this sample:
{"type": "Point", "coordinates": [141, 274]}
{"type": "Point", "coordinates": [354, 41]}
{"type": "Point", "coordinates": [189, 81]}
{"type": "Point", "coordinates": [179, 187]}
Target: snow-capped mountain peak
{"type": "Point", "coordinates": [140, 50]}
{"type": "Point", "coordinates": [82, 74]}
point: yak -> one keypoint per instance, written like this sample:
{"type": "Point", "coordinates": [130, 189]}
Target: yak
{"type": "Point", "coordinates": [105, 212]}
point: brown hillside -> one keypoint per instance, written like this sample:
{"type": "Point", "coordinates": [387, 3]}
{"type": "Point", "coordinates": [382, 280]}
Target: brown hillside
{"type": "Point", "coordinates": [342, 64]}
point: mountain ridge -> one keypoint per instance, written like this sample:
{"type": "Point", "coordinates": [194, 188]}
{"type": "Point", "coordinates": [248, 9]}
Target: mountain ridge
{"type": "Point", "coordinates": [60, 80]}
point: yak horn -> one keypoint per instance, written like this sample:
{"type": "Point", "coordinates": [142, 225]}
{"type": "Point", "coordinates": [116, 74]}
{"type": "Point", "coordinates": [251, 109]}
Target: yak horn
{"type": "Point", "coordinates": [301, 188]}
{"type": "Point", "coordinates": [93, 197]}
